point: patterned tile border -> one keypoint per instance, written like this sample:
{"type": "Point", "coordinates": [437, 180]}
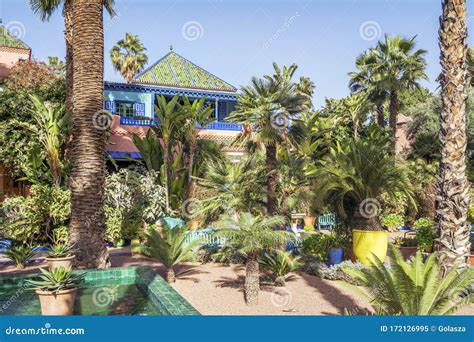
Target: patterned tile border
{"type": "Point", "coordinates": [147, 280]}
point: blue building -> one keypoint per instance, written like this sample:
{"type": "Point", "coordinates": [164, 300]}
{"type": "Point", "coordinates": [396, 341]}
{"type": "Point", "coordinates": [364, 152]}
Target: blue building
{"type": "Point", "coordinates": [131, 103]}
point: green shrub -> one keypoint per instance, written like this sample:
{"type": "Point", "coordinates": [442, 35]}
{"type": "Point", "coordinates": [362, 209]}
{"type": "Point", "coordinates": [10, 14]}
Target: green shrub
{"type": "Point", "coordinates": [334, 272]}
{"type": "Point", "coordinates": [470, 214]}
{"type": "Point", "coordinates": [37, 216]}
{"type": "Point", "coordinates": [426, 237]}
{"type": "Point", "coordinates": [393, 222]}
{"type": "Point", "coordinates": [133, 198]}
{"type": "Point", "coordinates": [405, 242]}
{"type": "Point", "coordinates": [320, 244]}
{"type": "Point", "coordinates": [423, 222]}
{"type": "Point", "coordinates": [308, 228]}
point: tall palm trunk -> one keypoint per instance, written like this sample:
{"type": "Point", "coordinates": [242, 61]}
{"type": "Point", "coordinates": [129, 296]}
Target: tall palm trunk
{"type": "Point", "coordinates": [166, 161]}
{"type": "Point", "coordinates": [453, 199]}
{"type": "Point", "coordinates": [88, 172]}
{"type": "Point", "coordinates": [380, 116]}
{"type": "Point", "coordinates": [68, 13]}
{"type": "Point", "coordinates": [272, 180]}
{"type": "Point", "coordinates": [393, 115]}
{"type": "Point", "coordinates": [252, 281]}
{"type": "Point", "coordinates": [191, 182]}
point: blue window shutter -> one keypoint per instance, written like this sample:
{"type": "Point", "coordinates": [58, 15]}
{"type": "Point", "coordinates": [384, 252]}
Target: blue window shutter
{"type": "Point", "coordinates": [139, 109]}
{"type": "Point", "coordinates": [109, 106]}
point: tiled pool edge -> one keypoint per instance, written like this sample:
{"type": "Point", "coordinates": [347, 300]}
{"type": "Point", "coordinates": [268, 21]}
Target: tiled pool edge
{"type": "Point", "coordinates": [162, 294]}
{"type": "Point", "coordinates": [147, 280]}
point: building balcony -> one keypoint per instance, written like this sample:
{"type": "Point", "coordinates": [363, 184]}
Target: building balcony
{"type": "Point", "coordinates": [217, 125]}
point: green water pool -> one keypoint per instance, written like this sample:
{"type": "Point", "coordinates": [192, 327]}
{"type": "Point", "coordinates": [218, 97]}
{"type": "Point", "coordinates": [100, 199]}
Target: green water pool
{"type": "Point", "coordinates": [116, 291]}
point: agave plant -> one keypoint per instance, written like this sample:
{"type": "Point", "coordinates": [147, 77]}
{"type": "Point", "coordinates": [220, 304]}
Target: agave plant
{"type": "Point", "coordinates": [280, 263]}
{"type": "Point", "coordinates": [58, 279]}
{"type": "Point", "coordinates": [168, 246]}
{"type": "Point", "coordinates": [20, 255]}
{"type": "Point", "coordinates": [414, 288]}
{"type": "Point", "coordinates": [60, 250]}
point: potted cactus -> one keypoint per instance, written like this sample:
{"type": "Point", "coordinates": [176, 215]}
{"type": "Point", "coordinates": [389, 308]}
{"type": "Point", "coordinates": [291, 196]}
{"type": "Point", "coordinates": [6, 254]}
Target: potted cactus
{"type": "Point", "coordinates": [60, 255]}
{"type": "Point", "coordinates": [57, 290]}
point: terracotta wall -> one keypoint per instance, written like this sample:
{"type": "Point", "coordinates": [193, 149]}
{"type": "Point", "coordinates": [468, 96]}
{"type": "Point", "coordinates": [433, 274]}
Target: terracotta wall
{"type": "Point", "coordinates": [9, 57]}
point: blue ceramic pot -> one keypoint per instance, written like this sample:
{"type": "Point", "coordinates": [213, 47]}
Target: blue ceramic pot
{"type": "Point", "coordinates": [335, 256]}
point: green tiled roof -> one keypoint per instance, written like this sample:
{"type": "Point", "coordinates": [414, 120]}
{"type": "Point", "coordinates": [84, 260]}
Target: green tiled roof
{"type": "Point", "coordinates": [9, 40]}
{"type": "Point", "coordinates": [176, 71]}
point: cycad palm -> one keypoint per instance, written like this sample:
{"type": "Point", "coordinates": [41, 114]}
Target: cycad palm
{"type": "Point", "coordinates": [232, 187]}
{"type": "Point", "coordinates": [361, 170]}
{"type": "Point", "coordinates": [416, 288]}
{"type": "Point", "coordinates": [170, 247]}
{"type": "Point", "coordinates": [268, 105]}
{"type": "Point", "coordinates": [252, 235]}
{"type": "Point", "coordinates": [128, 56]}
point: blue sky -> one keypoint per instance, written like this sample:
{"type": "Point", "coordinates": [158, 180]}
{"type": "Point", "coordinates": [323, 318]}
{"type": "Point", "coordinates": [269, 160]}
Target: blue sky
{"type": "Point", "coordinates": [236, 39]}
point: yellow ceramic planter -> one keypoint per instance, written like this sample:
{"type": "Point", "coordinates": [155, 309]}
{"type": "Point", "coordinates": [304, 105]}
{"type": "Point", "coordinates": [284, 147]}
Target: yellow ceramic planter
{"type": "Point", "coordinates": [368, 242]}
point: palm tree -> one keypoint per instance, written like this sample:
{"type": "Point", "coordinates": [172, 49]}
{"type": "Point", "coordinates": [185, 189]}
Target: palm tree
{"type": "Point", "coordinates": [232, 188]}
{"type": "Point", "coordinates": [252, 235]}
{"type": "Point", "coordinates": [200, 114]}
{"type": "Point", "coordinates": [356, 174]}
{"type": "Point", "coordinates": [128, 56]}
{"type": "Point", "coordinates": [363, 82]}
{"type": "Point", "coordinates": [356, 107]}
{"type": "Point", "coordinates": [169, 246]}
{"type": "Point", "coordinates": [45, 9]}
{"type": "Point", "coordinates": [87, 232]}
{"type": "Point", "coordinates": [167, 123]}
{"type": "Point", "coordinates": [393, 65]}
{"type": "Point", "coordinates": [416, 288]}
{"type": "Point", "coordinates": [453, 195]}
{"type": "Point", "coordinates": [268, 105]}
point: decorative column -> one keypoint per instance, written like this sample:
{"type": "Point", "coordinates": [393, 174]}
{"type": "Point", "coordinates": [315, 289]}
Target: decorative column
{"type": "Point", "coordinates": [216, 105]}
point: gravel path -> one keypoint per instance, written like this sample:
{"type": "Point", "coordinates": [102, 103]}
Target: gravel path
{"type": "Point", "coordinates": [216, 289]}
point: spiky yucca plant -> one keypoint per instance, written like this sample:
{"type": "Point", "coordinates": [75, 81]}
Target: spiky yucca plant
{"type": "Point", "coordinates": [168, 246]}
{"type": "Point", "coordinates": [20, 255]}
{"type": "Point", "coordinates": [280, 263]}
{"type": "Point", "coordinates": [414, 288]}
{"type": "Point", "coordinates": [252, 235]}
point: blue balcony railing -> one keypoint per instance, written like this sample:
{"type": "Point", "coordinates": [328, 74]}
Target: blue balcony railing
{"type": "Point", "coordinates": [134, 122]}
{"type": "Point", "coordinates": [217, 125]}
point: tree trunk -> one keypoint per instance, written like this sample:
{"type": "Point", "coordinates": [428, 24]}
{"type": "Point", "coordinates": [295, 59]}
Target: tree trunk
{"type": "Point", "coordinates": [453, 199]}
{"type": "Point", "coordinates": [272, 180]}
{"type": "Point", "coordinates": [252, 281]}
{"type": "Point", "coordinates": [88, 151]}
{"type": "Point", "coordinates": [280, 281]}
{"type": "Point", "coordinates": [380, 116]}
{"type": "Point", "coordinates": [166, 156]}
{"type": "Point", "coordinates": [68, 13]}
{"type": "Point", "coordinates": [170, 275]}
{"type": "Point", "coordinates": [191, 183]}
{"type": "Point", "coordinates": [393, 116]}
